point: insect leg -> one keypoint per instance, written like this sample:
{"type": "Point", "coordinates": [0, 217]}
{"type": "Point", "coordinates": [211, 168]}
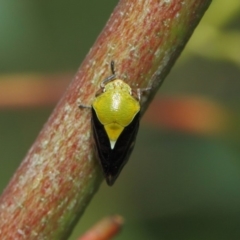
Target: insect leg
{"type": "Point", "coordinates": [141, 91]}
{"type": "Point", "coordinates": [82, 106]}
{"type": "Point", "coordinates": [110, 78]}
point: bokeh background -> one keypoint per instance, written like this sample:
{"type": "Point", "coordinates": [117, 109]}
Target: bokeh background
{"type": "Point", "coordinates": [183, 179]}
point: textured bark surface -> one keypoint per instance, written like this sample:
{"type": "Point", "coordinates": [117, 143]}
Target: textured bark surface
{"type": "Point", "coordinates": [59, 175]}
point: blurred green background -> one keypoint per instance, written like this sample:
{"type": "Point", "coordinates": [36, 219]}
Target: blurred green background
{"type": "Point", "coordinates": [178, 184]}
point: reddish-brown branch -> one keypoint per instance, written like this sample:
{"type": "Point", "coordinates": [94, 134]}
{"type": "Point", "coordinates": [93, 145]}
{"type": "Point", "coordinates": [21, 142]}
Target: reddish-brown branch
{"type": "Point", "coordinates": [190, 114]}
{"type": "Point", "coordinates": [59, 175]}
{"type": "Point", "coordinates": [31, 90]}
{"type": "Point", "coordinates": [104, 229]}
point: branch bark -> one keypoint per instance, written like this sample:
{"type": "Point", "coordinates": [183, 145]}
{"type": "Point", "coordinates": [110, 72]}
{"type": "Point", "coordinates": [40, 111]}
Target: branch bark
{"type": "Point", "coordinates": [59, 175]}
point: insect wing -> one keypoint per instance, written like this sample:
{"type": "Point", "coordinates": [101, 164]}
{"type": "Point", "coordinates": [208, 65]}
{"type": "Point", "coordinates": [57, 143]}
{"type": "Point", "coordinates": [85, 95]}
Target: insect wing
{"type": "Point", "coordinates": [113, 160]}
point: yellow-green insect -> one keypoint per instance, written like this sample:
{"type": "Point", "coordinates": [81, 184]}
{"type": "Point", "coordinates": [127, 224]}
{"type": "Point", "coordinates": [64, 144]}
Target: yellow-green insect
{"type": "Point", "coordinates": [115, 123]}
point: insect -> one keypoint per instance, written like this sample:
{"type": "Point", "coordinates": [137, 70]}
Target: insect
{"type": "Point", "coordinates": [115, 122]}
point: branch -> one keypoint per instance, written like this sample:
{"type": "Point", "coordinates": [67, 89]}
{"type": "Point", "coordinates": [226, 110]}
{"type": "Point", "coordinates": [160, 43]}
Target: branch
{"type": "Point", "coordinates": [105, 229]}
{"type": "Point", "coordinates": [59, 175]}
